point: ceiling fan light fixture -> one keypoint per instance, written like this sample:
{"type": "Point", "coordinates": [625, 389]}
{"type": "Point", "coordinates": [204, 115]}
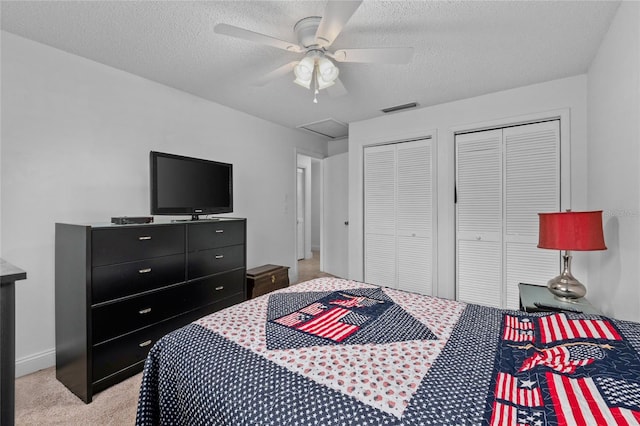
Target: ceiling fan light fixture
{"type": "Point", "coordinates": [322, 82]}
{"type": "Point", "coordinates": [304, 69]}
{"type": "Point", "coordinates": [327, 70]}
{"type": "Point", "coordinates": [304, 83]}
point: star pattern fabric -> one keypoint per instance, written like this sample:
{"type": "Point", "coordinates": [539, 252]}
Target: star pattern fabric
{"type": "Point", "coordinates": [451, 364]}
{"type": "Point", "coordinates": [365, 364]}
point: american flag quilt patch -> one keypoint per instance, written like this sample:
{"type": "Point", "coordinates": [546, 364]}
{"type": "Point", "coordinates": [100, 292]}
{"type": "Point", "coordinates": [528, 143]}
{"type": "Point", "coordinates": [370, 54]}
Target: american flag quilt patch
{"type": "Point", "coordinates": [560, 370]}
{"type": "Point", "coordinates": [340, 315]}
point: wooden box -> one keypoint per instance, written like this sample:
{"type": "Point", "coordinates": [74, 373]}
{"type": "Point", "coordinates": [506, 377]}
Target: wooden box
{"type": "Point", "coordinates": [266, 278]}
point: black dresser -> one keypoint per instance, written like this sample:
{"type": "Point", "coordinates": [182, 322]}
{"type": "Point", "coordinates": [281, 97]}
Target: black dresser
{"type": "Point", "coordinates": [119, 288]}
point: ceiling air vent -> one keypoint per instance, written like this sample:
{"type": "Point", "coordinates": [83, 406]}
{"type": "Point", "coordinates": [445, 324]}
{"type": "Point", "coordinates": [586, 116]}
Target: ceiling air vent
{"type": "Point", "coordinates": [399, 107]}
{"type": "Point", "coordinates": [329, 128]}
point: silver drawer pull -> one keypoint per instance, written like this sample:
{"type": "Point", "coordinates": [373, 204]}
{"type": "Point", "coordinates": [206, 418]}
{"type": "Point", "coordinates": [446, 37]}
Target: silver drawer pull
{"type": "Point", "coordinates": [144, 237]}
{"type": "Point", "coordinates": [144, 271]}
{"type": "Point", "coordinates": [219, 288]}
{"type": "Point", "coordinates": [219, 231]}
{"type": "Point", "coordinates": [144, 311]}
{"type": "Point", "coordinates": [219, 256]}
{"type": "Point", "coordinates": [145, 343]}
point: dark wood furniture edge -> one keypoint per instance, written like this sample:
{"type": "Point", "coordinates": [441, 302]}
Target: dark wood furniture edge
{"type": "Point", "coordinates": [9, 274]}
{"type": "Point", "coordinates": [72, 278]}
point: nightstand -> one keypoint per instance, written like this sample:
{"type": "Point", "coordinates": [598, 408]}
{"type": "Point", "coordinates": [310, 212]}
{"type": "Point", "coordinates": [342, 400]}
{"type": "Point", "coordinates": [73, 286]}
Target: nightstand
{"type": "Point", "coordinates": [531, 294]}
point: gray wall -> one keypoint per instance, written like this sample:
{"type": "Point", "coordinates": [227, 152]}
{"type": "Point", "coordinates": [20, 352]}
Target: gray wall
{"type": "Point", "coordinates": [76, 137]}
{"type": "Point", "coordinates": [614, 165]}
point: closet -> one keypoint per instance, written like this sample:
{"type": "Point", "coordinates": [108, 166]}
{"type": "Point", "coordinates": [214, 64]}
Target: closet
{"type": "Point", "coordinates": [504, 177]}
{"type": "Point", "coordinates": [398, 215]}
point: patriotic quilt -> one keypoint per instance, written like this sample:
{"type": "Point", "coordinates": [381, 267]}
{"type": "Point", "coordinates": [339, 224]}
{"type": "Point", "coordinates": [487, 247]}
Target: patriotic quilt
{"type": "Point", "coordinates": [338, 352]}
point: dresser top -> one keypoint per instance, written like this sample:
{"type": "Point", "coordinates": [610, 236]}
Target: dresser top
{"type": "Point", "coordinates": [10, 273]}
{"type": "Point", "coordinates": [160, 222]}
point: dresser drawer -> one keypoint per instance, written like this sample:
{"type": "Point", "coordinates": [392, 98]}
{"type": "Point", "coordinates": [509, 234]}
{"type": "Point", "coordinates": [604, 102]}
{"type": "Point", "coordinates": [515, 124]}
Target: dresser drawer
{"type": "Point", "coordinates": [217, 234]}
{"type": "Point", "coordinates": [127, 244]}
{"type": "Point", "coordinates": [223, 285]}
{"type": "Point", "coordinates": [121, 317]}
{"type": "Point", "coordinates": [208, 262]}
{"type": "Point", "coordinates": [125, 279]}
{"type": "Point", "coordinates": [115, 355]}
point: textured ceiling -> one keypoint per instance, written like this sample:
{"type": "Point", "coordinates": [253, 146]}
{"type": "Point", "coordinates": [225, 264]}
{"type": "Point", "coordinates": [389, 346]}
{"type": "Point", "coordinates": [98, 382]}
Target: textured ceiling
{"type": "Point", "coordinates": [462, 48]}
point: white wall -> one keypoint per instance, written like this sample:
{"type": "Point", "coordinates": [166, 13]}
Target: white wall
{"type": "Point", "coordinates": [76, 137]}
{"type": "Point", "coordinates": [567, 96]}
{"type": "Point", "coordinates": [338, 146]}
{"type": "Point", "coordinates": [614, 165]}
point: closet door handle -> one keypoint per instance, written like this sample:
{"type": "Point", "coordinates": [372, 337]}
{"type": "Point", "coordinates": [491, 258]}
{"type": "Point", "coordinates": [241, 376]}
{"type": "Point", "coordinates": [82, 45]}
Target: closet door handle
{"type": "Point", "coordinates": [219, 231]}
{"type": "Point", "coordinates": [144, 271]}
{"type": "Point", "coordinates": [145, 343]}
{"type": "Point", "coordinates": [144, 311]}
{"type": "Point", "coordinates": [219, 256]}
{"type": "Point", "coordinates": [144, 237]}
{"type": "Point", "coordinates": [221, 287]}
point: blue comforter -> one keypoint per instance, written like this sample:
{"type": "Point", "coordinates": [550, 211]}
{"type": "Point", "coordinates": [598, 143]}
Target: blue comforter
{"type": "Point", "coordinates": [336, 352]}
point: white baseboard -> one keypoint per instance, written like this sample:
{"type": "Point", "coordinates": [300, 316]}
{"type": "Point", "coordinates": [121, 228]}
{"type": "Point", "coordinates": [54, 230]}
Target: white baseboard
{"type": "Point", "coordinates": [34, 362]}
{"type": "Point", "coordinates": [315, 248]}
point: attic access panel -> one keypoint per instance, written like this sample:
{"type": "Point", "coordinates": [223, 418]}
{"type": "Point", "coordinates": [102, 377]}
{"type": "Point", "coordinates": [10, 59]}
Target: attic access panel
{"type": "Point", "coordinates": [329, 128]}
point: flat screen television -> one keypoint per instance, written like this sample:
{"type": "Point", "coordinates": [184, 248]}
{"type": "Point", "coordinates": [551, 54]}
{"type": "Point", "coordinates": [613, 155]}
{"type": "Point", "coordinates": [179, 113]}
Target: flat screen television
{"type": "Point", "coordinates": [185, 185]}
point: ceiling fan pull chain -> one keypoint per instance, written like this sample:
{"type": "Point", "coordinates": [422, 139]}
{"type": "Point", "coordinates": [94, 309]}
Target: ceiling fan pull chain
{"type": "Point", "coordinates": [315, 79]}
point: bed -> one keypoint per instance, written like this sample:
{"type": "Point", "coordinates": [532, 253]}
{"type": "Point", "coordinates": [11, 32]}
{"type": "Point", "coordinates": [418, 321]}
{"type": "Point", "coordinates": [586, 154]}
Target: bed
{"type": "Point", "coordinates": [337, 352]}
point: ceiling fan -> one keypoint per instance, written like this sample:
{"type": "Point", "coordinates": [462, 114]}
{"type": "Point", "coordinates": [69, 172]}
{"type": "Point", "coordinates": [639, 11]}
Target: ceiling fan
{"type": "Point", "coordinates": [315, 35]}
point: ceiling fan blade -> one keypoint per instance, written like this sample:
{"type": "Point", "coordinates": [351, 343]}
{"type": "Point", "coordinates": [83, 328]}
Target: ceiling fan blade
{"type": "Point", "coordinates": [277, 73]}
{"type": "Point", "coordinates": [337, 89]}
{"type": "Point", "coordinates": [385, 55]}
{"type": "Point", "coordinates": [238, 32]}
{"type": "Point", "coordinates": [336, 15]}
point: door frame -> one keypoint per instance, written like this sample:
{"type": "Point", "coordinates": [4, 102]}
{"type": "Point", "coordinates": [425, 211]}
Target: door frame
{"type": "Point", "coordinates": [301, 173]}
{"type": "Point", "coordinates": [317, 156]}
{"type": "Point", "coordinates": [564, 115]}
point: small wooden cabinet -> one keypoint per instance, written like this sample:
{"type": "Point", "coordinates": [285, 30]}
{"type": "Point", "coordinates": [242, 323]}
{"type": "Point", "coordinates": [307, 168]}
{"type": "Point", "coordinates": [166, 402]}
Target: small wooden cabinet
{"type": "Point", "coordinates": [120, 288]}
{"type": "Point", "coordinates": [265, 279]}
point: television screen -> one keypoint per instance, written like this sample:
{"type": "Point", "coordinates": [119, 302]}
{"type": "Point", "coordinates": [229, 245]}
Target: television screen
{"type": "Point", "coordinates": [185, 185]}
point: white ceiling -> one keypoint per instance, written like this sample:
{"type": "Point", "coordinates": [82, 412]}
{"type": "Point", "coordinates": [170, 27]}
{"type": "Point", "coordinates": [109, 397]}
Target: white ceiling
{"type": "Point", "coordinates": [462, 48]}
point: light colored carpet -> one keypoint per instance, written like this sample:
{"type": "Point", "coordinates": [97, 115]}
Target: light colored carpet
{"type": "Point", "coordinates": [309, 269]}
{"type": "Point", "coordinates": [42, 400]}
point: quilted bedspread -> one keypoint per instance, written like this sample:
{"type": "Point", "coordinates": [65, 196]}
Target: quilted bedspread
{"type": "Point", "coordinates": [337, 352]}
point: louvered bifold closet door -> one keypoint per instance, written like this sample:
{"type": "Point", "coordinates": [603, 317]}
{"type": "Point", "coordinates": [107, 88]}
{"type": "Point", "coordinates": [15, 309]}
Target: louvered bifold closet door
{"type": "Point", "coordinates": [532, 185]}
{"type": "Point", "coordinates": [414, 216]}
{"type": "Point", "coordinates": [479, 217]}
{"type": "Point", "coordinates": [380, 215]}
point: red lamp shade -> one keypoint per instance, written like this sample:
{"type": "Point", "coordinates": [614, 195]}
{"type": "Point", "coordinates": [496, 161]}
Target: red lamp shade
{"type": "Point", "coordinates": [571, 231]}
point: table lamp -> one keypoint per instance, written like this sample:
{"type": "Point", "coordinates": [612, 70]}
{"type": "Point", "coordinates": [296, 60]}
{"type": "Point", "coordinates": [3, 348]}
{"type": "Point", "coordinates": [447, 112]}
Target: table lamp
{"type": "Point", "coordinates": [570, 231]}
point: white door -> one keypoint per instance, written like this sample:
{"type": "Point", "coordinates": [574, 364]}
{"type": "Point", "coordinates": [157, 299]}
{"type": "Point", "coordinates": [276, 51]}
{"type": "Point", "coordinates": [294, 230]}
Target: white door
{"type": "Point", "coordinates": [398, 215]}
{"type": "Point", "coordinates": [414, 212]}
{"type": "Point", "coordinates": [479, 218]}
{"type": "Point", "coordinates": [532, 186]}
{"type": "Point", "coordinates": [380, 215]}
{"type": "Point", "coordinates": [335, 212]}
{"type": "Point", "coordinates": [504, 177]}
{"type": "Point", "coordinates": [300, 211]}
